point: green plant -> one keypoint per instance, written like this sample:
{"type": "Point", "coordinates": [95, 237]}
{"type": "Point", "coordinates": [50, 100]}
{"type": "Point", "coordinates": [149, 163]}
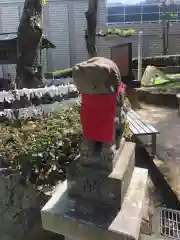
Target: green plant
{"type": "Point", "coordinates": [64, 73]}
{"type": "Point", "coordinates": [41, 149]}
{"type": "Point", "coordinates": [117, 32]}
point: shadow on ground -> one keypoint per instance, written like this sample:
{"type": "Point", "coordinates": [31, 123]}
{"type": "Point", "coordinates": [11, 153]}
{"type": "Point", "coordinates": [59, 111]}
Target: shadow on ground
{"type": "Point", "coordinates": [161, 193]}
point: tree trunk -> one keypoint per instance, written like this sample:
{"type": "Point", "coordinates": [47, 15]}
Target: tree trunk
{"type": "Point", "coordinates": [90, 33]}
{"type": "Point", "coordinates": [28, 71]}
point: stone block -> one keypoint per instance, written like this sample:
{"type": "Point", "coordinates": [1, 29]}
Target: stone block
{"type": "Point", "coordinates": [101, 186]}
{"type": "Point", "coordinates": [64, 215]}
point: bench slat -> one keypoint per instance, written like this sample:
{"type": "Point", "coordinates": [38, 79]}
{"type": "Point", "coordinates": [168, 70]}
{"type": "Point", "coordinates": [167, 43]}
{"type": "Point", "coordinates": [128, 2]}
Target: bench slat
{"type": "Point", "coordinates": [141, 124]}
{"type": "Point", "coordinates": [136, 129]}
{"type": "Point", "coordinates": [149, 129]}
{"type": "Point", "coordinates": [134, 113]}
{"type": "Point", "coordinates": [154, 130]}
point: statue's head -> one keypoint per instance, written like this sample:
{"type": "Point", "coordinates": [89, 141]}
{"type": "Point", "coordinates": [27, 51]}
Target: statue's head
{"type": "Point", "coordinates": [97, 75]}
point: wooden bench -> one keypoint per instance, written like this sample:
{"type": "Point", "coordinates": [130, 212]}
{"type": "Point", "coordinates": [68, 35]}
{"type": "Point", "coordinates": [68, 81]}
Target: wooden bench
{"type": "Point", "coordinates": [140, 129]}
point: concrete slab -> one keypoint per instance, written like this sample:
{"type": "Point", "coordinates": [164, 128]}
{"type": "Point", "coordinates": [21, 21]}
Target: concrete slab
{"type": "Point", "coordinates": [64, 215]}
{"type": "Point", "coordinates": [101, 186]}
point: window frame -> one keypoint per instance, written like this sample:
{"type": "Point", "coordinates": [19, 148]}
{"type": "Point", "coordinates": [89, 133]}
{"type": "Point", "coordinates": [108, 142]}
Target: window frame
{"type": "Point", "coordinates": [141, 13]}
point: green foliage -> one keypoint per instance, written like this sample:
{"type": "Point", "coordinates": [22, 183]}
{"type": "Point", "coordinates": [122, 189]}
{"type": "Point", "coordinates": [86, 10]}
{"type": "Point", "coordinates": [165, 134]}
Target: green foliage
{"type": "Point", "coordinates": [127, 104]}
{"type": "Point", "coordinates": [121, 32]}
{"type": "Point", "coordinates": [127, 132]}
{"type": "Point", "coordinates": [59, 73]}
{"type": "Point", "coordinates": [117, 32]}
{"type": "Point", "coordinates": [41, 149]}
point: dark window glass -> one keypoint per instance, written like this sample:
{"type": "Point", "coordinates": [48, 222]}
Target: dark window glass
{"type": "Point", "coordinates": [169, 9]}
{"type": "Point", "coordinates": [116, 10]}
{"type": "Point", "coordinates": [115, 18]}
{"type": "Point", "coordinates": [172, 16]}
{"type": "Point", "coordinates": [132, 9]}
{"type": "Point", "coordinates": [150, 17]}
{"type": "Point", "coordinates": [178, 8]}
{"type": "Point", "coordinates": [172, 8]}
{"type": "Point", "coordinates": [133, 18]}
{"type": "Point", "coordinates": [178, 16]}
{"type": "Point", "coordinates": [150, 9]}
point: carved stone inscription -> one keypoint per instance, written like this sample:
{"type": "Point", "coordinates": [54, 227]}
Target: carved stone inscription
{"type": "Point", "coordinates": [91, 186]}
{"type": "Point", "coordinates": [94, 185]}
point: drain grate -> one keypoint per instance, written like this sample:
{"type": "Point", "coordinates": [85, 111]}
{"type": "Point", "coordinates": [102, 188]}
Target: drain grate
{"type": "Point", "coordinates": [170, 223]}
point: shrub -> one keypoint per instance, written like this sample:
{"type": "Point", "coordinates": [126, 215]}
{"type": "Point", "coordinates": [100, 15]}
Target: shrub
{"type": "Point", "coordinates": [158, 61]}
{"type": "Point", "coordinates": [116, 32]}
{"type": "Point", "coordinates": [42, 148]}
{"type": "Point", "coordinates": [65, 73]}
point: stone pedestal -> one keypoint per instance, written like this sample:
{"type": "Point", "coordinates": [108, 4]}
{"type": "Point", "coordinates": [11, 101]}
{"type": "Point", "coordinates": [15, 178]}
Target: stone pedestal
{"type": "Point", "coordinates": [100, 186]}
{"type": "Point", "coordinates": [96, 204]}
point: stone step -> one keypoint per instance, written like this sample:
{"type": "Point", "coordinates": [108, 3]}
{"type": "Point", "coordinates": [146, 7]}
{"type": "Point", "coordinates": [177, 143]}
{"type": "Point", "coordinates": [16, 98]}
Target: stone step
{"type": "Point", "coordinates": [64, 216]}
{"type": "Point", "coordinates": [103, 186]}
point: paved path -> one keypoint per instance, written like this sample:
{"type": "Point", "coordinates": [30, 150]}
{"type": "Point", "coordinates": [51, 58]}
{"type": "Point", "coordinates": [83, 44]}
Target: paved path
{"type": "Point", "coordinates": [167, 122]}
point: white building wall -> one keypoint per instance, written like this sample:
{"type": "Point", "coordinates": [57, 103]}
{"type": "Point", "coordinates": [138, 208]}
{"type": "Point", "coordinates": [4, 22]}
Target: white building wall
{"type": "Point", "coordinates": [64, 25]}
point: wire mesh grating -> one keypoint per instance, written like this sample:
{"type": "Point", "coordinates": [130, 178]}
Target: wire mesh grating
{"type": "Point", "coordinates": [170, 223]}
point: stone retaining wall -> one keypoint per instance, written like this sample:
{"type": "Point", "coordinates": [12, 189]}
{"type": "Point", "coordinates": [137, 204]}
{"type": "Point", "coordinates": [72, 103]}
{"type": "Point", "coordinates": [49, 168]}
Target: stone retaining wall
{"type": "Point", "coordinates": [24, 103]}
{"type": "Point", "coordinates": [23, 98]}
{"type": "Point", "coordinates": [20, 210]}
{"type": "Point", "coordinates": [158, 98]}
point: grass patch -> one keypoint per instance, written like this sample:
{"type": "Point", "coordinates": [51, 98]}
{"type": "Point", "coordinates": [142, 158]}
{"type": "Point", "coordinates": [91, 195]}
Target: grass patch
{"type": "Point", "coordinates": [159, 79]}
{"type": "Point", "coordinates": [166, 84]}
{"type": "Point", "coordinates": [175, 85]}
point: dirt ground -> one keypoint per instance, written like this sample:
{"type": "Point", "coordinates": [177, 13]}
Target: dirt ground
{"type": "Point", "coordinates": [167, 122]}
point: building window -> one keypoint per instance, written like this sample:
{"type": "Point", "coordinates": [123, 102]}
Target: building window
{"type": "Point", "coordinates": [132, 18]}
{"type": "Point", "coordinates": [115, 18]}
{"type": "Point", "coordinates": [141, 13]}
{"type": "Point", "coordinates": [150, 17]}
{"type": "Point", "coordinates": [150, 9]}
{"type": "Point", "coordinates": [132, 9]}
{"type": "Point", "coordinates": [115, 10]}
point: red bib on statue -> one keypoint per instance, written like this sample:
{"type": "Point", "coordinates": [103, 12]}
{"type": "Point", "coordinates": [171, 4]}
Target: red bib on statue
{"type": "Point", "coordinates": [97, 117]}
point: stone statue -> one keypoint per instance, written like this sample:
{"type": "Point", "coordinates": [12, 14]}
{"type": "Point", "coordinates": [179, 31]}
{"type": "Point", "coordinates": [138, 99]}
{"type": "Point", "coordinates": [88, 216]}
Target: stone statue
{"type": "Point", "coordinates": [29, 39]}
{"type": "Point", "coordinates": [102, 117]}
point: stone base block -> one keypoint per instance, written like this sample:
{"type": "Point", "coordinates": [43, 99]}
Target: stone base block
{"type": "Point", "coordinates": [80, 221]}
{"type": "Point", "coordinates": [102, 186]}
{"type": "Point", "coordinates": [105, 159]}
